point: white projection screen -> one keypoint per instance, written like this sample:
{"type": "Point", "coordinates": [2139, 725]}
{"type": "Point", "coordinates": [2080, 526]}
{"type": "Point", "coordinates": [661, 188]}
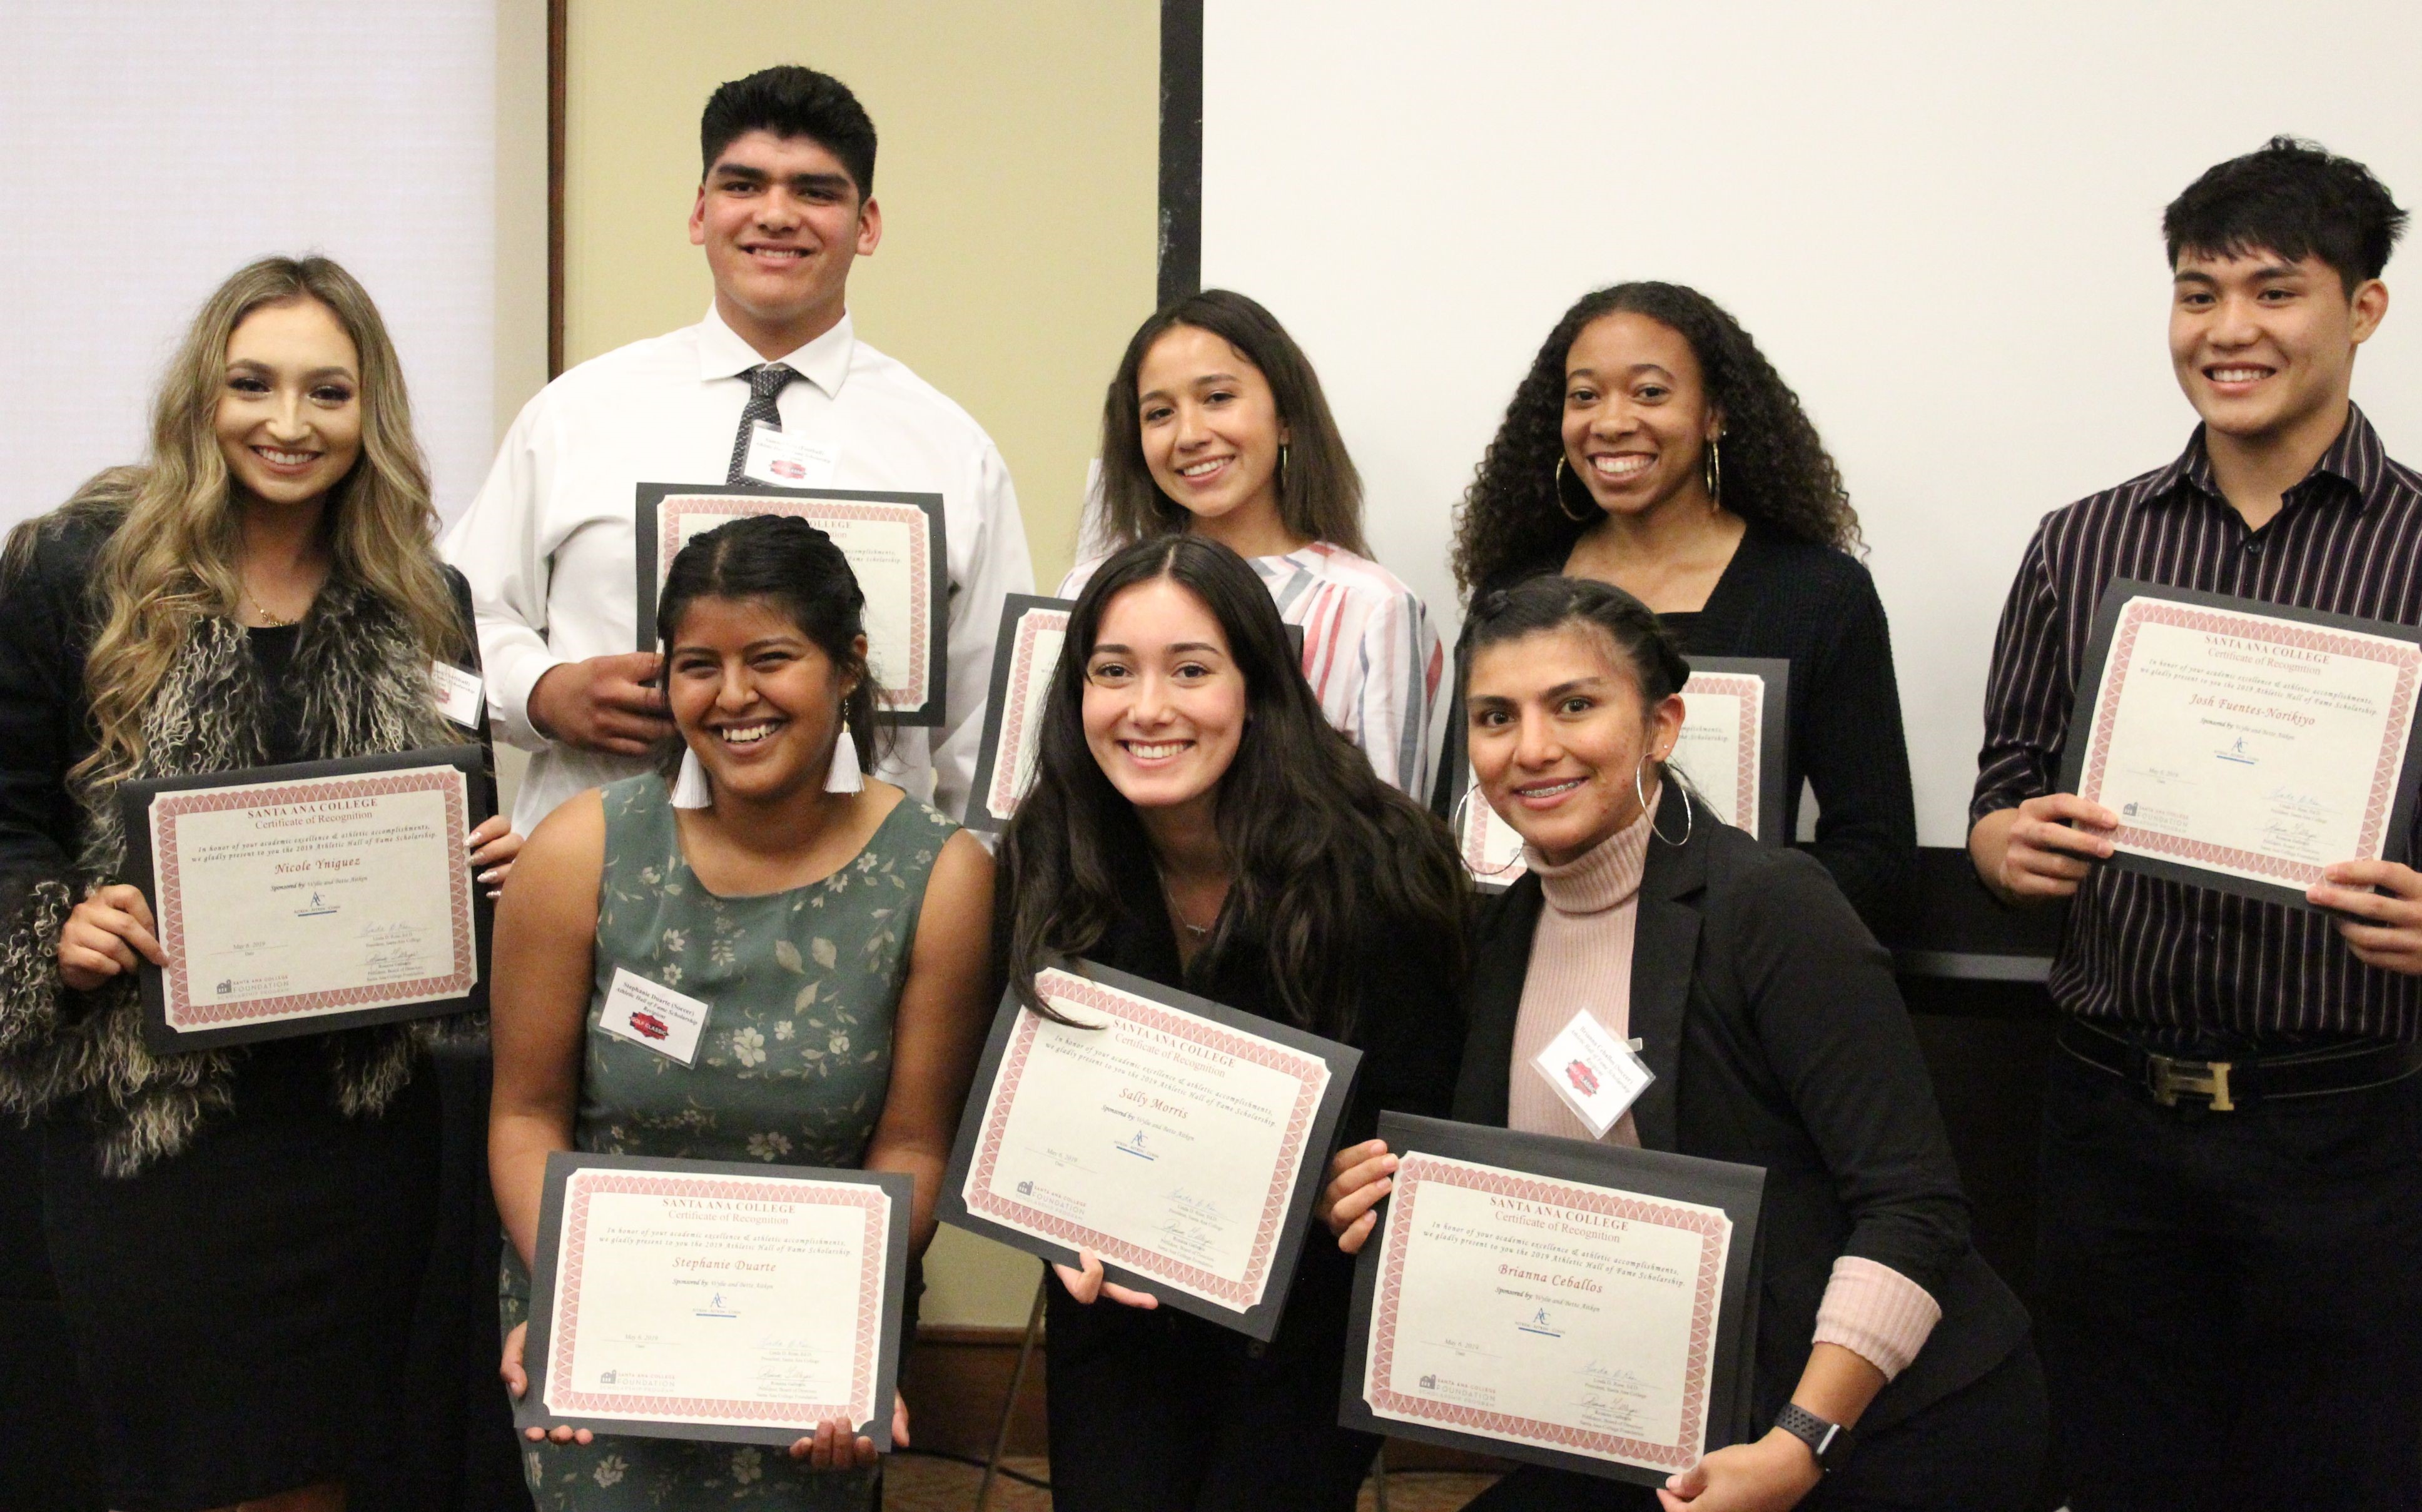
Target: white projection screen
{"type": "Point", "coordinates": [153, 150]}
{"type": "Point", "coordinates": [1940, 221]}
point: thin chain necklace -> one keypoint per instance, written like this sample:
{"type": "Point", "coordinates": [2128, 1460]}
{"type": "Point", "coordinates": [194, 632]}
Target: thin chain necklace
{"type": "Point", "coordinates": [268, 620]}
{"type": "Point", "coordinates": [1177, 916]}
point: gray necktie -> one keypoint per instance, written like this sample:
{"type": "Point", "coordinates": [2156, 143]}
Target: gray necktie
{"type": "Point", "coordinates": [765, 384]}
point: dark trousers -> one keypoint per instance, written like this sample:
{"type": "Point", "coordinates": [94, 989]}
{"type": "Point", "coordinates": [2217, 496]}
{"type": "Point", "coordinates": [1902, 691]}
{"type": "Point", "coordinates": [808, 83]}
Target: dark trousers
{"type": "Point", "coordinates": [1162, 1412]}
{"type": "Point", "coordinates": [1977, 1450]}
{"type": "Point", "coordinates": [2232, 1302]}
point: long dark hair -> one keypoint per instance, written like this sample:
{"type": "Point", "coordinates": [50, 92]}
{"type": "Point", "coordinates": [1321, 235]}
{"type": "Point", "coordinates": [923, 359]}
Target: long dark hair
{"type": "Point", "coordinates": [1320, 851]}
{"type": "Point", "coordinates": [788, 563]}
{"type": "Point", "coordinates": [1320, 495]}
{"type": "Point", "coordinates": [1776, 471]}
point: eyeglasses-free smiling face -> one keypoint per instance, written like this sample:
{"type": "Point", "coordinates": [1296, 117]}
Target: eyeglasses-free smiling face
{"type": "Point", "coordinates": [289, 414]}
{"type": "Point", "coordinates": [757, 700]}
{"type": "Point", "coordinates": [1164, 707]}
{"type": "Point", "coordinates": [2263, 346]}
{"type": "Point", "coordinates": [781, 223]}
{"type": "Point", "coordinates": [1557, 733]}
{"type": "Point", "coordinates": [1210, 426]}
{"type": "Point", "coordinates": [1636, 414]}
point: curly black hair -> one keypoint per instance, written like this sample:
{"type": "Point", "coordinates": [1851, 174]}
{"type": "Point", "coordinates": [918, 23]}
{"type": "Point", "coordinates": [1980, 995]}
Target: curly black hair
{"type": "Point", "coordinates": [1776, 471]}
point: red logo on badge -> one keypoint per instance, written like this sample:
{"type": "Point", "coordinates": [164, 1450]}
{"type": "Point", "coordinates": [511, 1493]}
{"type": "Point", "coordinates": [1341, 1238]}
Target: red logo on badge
{"type": "Point", "coordinates": [1584, 1078]}
{"type": "Point", "coordinates": [650, 1026]}
{"type": "Point", "coordinates": [784, 467]}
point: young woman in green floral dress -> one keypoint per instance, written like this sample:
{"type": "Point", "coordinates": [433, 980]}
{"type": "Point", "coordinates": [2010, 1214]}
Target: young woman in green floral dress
{"type": "Point", "coordinates": [836, 928]}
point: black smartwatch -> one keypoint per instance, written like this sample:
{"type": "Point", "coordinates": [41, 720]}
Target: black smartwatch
{"type": "Point", "coordinates": [1829, 1441]}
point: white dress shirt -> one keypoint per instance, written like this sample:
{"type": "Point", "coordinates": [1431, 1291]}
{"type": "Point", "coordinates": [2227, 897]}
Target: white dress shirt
{"type": "Point", "coordinates": [550, 549]}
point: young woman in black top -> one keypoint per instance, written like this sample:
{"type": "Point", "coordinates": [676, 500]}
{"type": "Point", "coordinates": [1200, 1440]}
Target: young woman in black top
{"type": "Point", "coordinates": [1196, 820]}
{"type": "Point", "coordinates": [238, 1233]}
{"type": "Point", "coordinates": [1653, 447]}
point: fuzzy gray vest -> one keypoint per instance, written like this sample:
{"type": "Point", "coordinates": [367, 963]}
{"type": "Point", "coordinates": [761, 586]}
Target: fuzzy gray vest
{"type": "Point", "coordinates": [361, 682]}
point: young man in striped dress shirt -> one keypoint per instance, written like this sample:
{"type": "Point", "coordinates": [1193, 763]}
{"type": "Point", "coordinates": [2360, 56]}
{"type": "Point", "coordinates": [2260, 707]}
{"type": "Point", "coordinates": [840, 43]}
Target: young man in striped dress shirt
{"type": "Point", "coordinates": [2231, 1281]}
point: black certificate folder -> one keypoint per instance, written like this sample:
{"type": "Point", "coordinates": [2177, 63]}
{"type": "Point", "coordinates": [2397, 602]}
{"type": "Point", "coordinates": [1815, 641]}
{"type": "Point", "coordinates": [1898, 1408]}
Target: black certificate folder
{"type": "Point", "coordinates": [1586, 1306]}
{"type": "Point", "coordinates": [1182, 1141]}
{"type": "Point", "coordinates": [715, 1299]}
{"type": "Point", "coordinates": [311, 897]}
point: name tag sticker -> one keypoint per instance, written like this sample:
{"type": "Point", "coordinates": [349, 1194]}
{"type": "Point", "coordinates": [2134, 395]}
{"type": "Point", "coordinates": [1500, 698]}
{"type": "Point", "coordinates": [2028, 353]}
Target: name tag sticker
{"type": "Point", "coordinates": [460, 696]}
{"type": "Point", "coordinates": [1597, 1075]}
{"type": "Point", "coordinates": [643, 1013]}
{"type": "Point", "coordinates": [789, 461]}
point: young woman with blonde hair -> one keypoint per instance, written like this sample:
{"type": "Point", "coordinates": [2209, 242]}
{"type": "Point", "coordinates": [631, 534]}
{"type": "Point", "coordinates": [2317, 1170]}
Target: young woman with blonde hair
{"type": "Point", "coordinates": [238, 1234]}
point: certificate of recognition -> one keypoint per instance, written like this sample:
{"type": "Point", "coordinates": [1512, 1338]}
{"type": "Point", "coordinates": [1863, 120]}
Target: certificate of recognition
{"type": "Point", "coordinates": [1731, 748]}
{"type": "Point", "coordinates": [1581, 1306]}
{"type": "Point", "coordinates": [894, 543]}
{"type": "Point", "coordinates": [1181, 1140]}
{"type": "Point", "coordinates": [302, 899]}
{"type": "Point", "coordinates": [1024, 657]}
{"type": "Point", "coordinates": [708, 1300]}
{"type": "Point", "coordinates": [2244, 745]}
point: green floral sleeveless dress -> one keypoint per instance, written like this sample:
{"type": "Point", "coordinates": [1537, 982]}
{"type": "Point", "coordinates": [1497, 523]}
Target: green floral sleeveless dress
{"type": "Point", "coordinates": [792, 1068]}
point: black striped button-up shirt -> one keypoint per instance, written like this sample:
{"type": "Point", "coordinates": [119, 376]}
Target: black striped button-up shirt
{"type": "Point", "coordinates": [2148, 952]}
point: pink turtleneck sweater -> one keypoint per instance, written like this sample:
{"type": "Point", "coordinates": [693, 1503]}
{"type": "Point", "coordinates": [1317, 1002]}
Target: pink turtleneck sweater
{"type": "Point", "coordinates": [1581, 958]}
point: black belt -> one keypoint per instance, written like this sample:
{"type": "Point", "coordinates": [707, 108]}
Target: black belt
{"type": "Point", "coordinates": [2226, 1085]}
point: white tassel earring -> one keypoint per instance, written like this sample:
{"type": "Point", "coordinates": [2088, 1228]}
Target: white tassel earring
{"type": "Point", "coordinates": [845, 775]}
{"type": "Point", "coordinates": [690, 789]}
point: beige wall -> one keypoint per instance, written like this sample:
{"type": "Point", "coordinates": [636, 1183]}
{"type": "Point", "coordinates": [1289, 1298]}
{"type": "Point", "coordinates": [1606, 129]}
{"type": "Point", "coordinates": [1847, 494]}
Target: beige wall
{"type": "Point", "coordinates": [1018, 176]}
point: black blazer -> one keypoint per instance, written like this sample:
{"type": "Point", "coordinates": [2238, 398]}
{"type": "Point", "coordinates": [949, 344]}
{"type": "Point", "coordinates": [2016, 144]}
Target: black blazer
{"type": "Point", "coordinates": [1815, 608]}
{"type": "Point", "coordinates": [1778, 1039]}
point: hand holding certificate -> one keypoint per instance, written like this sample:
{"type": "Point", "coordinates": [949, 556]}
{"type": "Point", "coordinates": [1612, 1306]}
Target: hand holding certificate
{"type": "Point", "coordinates": [704, 1300]}
{"type": "Point", "coordinates": [1176, 1139]}
{"type": "Point", "coordinates": [304, 899]}
{"type": "Point", "coordinates": [2244, 746]}
{"type": "Point", "coordinates": [1579, 1305]}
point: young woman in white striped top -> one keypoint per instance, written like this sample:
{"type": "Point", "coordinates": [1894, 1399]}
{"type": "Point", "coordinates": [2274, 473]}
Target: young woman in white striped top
{"type": "Point", "coordinates": [1216, 426]}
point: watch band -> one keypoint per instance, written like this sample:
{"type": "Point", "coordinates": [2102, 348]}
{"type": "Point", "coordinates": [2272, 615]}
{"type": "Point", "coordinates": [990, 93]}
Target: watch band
{"type": "Point", "coordinates": [1829, 1441]}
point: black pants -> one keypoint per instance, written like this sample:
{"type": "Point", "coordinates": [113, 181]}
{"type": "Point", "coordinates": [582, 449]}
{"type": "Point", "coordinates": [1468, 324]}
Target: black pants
{"type": "Point", "coordinates": [1162, 1412]}
{"type": "Point", "coordinates": [2232, 1302]}
{"type": "Point", "coordinates": [1977, 1450]}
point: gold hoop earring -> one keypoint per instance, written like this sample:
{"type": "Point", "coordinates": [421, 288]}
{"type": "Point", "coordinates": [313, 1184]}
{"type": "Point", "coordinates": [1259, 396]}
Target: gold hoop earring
{"type": "Point", "coordinates": [1713, 473]}
{"type": "Point", "coordinates": [1578, 520]}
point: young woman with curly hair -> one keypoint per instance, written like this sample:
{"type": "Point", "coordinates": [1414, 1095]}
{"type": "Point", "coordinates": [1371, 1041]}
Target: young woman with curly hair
{"type": "Point", "coordinates": [1653, 447]}
{"type": "Point", "coordinates": [239, 1233]}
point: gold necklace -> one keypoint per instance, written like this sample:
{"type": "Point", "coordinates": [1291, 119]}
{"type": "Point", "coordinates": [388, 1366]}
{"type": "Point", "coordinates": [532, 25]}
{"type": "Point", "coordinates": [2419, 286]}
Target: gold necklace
{"type": "Point", "coordinates": [268, 620]}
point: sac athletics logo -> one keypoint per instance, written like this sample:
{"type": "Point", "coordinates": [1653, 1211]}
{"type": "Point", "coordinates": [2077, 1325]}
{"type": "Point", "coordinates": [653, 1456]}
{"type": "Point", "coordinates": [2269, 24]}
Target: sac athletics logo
{"type": "Point", "coordinates": [785, 467]}
{"type": "Point", "coordinates": [650, 1026]}
{"type": "Point", "coordinates": [1584, 1080]}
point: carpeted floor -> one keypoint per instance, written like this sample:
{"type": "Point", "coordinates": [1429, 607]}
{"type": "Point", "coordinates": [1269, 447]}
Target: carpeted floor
{"type": "Point", "coordinates": [924, 1483]}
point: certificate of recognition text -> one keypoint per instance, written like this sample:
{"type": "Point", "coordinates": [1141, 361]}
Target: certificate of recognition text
{"type": "Point", "coordinates": [1169, 1142]}
{"type": "Point", "coordinates": [304, 899]}
{"type": "Point", "coordinates": [1545, 1312]}
{"type": "Point", "coordinates": [712, 1298]}
{"type": "Point", "coordinates": [2260, 748]}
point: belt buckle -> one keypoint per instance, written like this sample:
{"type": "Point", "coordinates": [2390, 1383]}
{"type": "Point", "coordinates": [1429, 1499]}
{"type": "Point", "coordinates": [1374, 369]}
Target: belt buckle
{"type": "Point", "coordinates": [2168, 1076]}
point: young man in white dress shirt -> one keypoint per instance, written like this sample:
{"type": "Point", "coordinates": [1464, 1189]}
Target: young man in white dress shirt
{"type": "Point", "coordinates": [784, 207]}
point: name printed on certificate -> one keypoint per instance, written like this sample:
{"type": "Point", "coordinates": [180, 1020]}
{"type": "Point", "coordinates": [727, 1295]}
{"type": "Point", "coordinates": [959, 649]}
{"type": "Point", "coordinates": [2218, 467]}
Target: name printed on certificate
{"type": "Point", "coordinates": [298, 900]}
{"type": "Point", "coordinates": [1549, 1313]}
{"type": "Point", "coordinates": [1169, 1142]}
{"type": "Point", "coordinates": [717, 1299]}
{"type": "Point", "coordinates": [2258, 747]}
{"type": "Point", "coordinates": [891, 548]}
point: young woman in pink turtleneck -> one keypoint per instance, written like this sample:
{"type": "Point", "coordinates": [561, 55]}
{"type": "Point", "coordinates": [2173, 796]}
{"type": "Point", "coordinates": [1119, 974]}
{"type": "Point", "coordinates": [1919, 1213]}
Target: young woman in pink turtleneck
{"type": "Point", "coordinates": [1777, 1038]}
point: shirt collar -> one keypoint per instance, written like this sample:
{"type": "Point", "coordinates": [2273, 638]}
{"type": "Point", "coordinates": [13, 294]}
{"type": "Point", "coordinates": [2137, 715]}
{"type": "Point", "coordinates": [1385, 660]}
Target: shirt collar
{"type": "Point", "coordinates": [824, 361]}
{"type": "Point", "coordinates": [2354, 458]}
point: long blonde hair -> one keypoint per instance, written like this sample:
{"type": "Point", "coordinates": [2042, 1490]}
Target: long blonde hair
{"type": "Point", "coordinates": [174, 556]}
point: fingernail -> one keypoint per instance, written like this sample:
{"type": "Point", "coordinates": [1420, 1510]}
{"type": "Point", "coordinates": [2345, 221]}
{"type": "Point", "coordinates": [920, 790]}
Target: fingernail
{"type": "Point", "coordinates": [492, 875]}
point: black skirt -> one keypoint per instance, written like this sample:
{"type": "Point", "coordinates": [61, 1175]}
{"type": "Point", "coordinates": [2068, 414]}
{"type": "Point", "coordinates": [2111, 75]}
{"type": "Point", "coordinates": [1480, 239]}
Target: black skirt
{"type": "Point", "coordinates": [243, 1311]}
